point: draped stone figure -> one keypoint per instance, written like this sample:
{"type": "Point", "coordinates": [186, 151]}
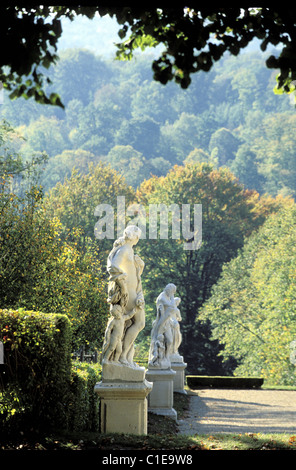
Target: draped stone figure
{"type": "Point", "coordinates": [176, 333]}
{"type": "Point", "coordinates": [126, 299]}
{"type": "Point", "coordinates": [123, 389]}
{"type": "Point", "coordinates": [165, 333]}
{"type": "Point", "coordinates": [293, 352]}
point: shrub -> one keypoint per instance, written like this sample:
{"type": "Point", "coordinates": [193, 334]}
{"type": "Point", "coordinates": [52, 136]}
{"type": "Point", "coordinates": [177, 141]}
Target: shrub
{"type": "Point", "coordinates": [83, 405]}
{"type": "Point", "coordinates": [36, 377]}
{"type": "Point", "coordinates": [199, 381]}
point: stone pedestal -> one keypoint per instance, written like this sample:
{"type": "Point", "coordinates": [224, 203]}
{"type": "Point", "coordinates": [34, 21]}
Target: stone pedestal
{"type": "Point", "coordinates": [161, 398]}
{"type": "Point", "coordinates": [179, 366]}
{"type": "Point", "coordinates": [123, 393]}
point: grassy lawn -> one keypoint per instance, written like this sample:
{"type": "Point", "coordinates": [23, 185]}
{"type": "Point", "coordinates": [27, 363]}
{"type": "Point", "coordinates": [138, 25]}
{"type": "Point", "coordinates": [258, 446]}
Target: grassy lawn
{"type": "Point", "coordinates": [162, 434]}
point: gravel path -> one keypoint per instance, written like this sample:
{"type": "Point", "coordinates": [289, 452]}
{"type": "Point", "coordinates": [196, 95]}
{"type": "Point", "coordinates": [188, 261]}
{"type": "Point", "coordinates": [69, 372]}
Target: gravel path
{"type": "Point", "coordinates": [240, 411]}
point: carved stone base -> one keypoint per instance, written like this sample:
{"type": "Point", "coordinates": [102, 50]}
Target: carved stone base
{"type": "Point", "coordinates": [161, 398]}
{"type": "Point", "coordinates": [115, 371]}
{"type": "Point", "coordinates": [176, 358]}
{"type": "Point", "coordinates": [123, 406]}
{"type": "Point", "coordinates": [179, 378]}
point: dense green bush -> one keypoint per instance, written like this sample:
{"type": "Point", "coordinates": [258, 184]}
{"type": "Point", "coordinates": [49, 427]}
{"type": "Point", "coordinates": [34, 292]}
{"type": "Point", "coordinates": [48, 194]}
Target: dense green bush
{"type": "Point", "coordinates": [83, 407]}
{"type": "Point", "coordinates": [40, 387]}
{"type": "Point", "coordinates": [37, 372]}
{"type": "Point", "coordinates": [199, 381]}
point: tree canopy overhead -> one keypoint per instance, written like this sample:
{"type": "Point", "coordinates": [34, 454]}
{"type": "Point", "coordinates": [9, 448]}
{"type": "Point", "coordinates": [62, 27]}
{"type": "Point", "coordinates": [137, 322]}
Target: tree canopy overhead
{"type": "Point", "coordinates": [192, 39]}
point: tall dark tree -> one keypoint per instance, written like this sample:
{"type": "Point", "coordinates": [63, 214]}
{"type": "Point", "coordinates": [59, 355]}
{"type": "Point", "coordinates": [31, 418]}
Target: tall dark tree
{"type": "Point", "coordinates": [229, 214]}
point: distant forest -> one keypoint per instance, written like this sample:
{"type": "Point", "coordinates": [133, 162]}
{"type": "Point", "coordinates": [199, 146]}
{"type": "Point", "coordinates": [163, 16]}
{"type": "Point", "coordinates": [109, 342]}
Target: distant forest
{"type": "Point", "coordinates": [116, 113]}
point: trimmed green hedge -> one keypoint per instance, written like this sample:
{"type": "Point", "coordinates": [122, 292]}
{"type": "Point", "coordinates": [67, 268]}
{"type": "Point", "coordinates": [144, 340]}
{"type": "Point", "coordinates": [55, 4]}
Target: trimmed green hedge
{"type": "Point", "coordinates": [199, 381]}
{"type": "Point", "coordinates": [40, 387]}
{"type": "Point", "coordinates": [83, 407]}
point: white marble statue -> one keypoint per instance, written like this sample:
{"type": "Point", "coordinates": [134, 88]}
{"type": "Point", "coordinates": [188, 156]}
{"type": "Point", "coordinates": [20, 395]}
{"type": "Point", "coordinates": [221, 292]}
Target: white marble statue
{"type": "Point", "coordinates": [112, 347]}
{"type": "Point", "coordinates": [176, 333]}
{"type": "Point", "coordinates": [165, 333]}
{"type": "Point", "coordinates": [293, 352]}
{"type": "Point", "coordinates": [126, 299]}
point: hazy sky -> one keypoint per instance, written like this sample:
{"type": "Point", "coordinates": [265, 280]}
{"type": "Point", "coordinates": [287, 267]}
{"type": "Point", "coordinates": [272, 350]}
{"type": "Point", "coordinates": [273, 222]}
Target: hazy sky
{"type": "Point", "coordinates": [98, 34]}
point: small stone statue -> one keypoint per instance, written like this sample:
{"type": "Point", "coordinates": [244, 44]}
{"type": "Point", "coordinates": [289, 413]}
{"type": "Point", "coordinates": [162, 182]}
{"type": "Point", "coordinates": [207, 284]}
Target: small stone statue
{"type": "Point", "coordinates": [112, 347]}
{"type": "Point", "coordinates": [176, 333]}
{"type": "Point", "coordinates": [165, 333]}
{"type": "Point", "coordinates": [158, 350]}
{"type": "Point", "coordinates": [126, 299]}
{"type": "Point", "coordinates": [293, 352]}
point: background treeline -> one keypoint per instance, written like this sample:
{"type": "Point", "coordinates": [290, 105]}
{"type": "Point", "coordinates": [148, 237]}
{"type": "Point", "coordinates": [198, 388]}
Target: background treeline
{"type": "Point", "coordinates": [227, 142]}
{"type": "Point", "coordinates": [115, 112]}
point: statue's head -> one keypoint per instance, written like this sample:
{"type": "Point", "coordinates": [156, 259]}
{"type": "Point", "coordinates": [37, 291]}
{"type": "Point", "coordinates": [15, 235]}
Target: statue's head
{"type": "Point", "coordinates": [170, 289]}
{"type": "Point", "coordinates": [132, 233]}
{"type": "Point", "coordinates": [116, 310]}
